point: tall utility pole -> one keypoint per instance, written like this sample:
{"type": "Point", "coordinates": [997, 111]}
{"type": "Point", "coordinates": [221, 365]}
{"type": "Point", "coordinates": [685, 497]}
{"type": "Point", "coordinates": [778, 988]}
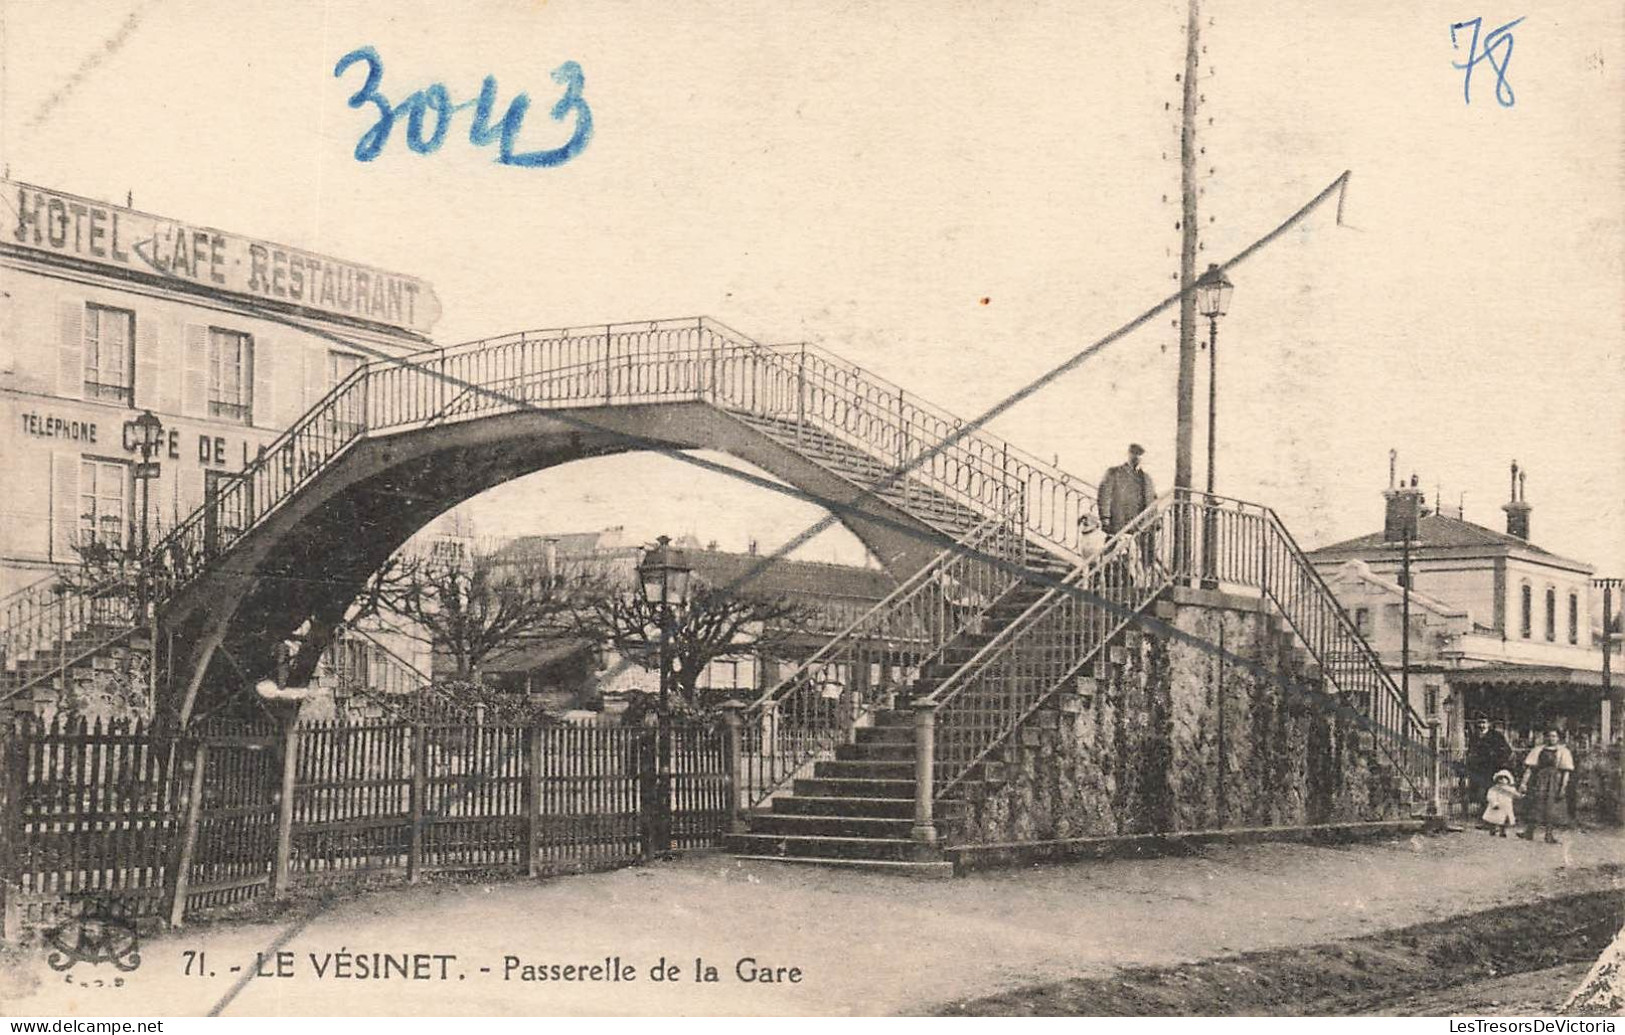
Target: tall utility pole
{"type": "Point", "coordinates": [1187, 254]}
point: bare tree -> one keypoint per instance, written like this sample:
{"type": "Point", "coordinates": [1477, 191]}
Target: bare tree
{"type": "Point", "coordinates": [716, 622]}
{"type": "Point", "coordinates": [476, 606]}
{"type": "Point", "coordinates": [111, 569]}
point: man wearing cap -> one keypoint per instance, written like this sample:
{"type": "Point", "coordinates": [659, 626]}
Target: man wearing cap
{"type": "Point", "coordinates": [1124, 491]}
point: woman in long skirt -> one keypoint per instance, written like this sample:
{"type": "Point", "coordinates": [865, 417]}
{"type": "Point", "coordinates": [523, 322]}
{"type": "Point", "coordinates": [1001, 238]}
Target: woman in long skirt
{"type": "Point", "coordinates": [1546, 775]}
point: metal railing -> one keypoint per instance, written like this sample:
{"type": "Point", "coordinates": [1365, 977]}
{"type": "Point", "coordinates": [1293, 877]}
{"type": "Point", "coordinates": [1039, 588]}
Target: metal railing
{"type": "Point", "coordinates": [1190, 538]}
{"type": "Point", "coordinates": [801, 719]}
{"type": "Point", "coordinates": [48, 613]}
{"type": "Point", "coordinates": [628, 364]}
{"type": "Point", "coordinates": [977, 469]}
{"type": "Point", "coordinates": [645, 363]}
{"type": "Point", "coordinates": [1247, 545]}
{"type": "Point", "coordinates": [24, 614]}
{"type": "Point", "coordinates": [990, 695]}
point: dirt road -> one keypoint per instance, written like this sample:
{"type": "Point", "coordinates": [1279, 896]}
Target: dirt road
{"type": "Point", "coordinates": [863, 944]}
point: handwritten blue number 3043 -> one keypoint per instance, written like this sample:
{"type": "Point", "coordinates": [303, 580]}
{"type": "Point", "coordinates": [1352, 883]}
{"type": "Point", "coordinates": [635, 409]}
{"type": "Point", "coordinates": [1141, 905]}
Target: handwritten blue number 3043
{"type": "Point", "coordinates": [434, 101]}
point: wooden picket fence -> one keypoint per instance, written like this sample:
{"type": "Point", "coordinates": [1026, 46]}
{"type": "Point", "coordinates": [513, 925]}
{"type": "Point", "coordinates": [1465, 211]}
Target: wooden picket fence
{"type": "Point", "coordinates": [116, 817]}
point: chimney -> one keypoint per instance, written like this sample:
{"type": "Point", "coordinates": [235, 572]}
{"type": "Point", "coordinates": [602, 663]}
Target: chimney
{"type": "Point", "coordinates": [1517, 507]}
{"type": "Point", "coordinates": [1403, 511]}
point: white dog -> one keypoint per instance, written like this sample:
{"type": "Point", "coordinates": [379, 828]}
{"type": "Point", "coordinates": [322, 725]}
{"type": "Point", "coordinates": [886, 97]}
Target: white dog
{"type": "Point", "coordinates": [1091, 538]}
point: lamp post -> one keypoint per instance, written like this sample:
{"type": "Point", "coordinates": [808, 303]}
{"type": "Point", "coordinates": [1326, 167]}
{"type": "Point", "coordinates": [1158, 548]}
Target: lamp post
{"type": "Point", "coordinates": [665, 582]}
{"type": "Point", "coordinates": [1608, 586]}
{"type": "Point", "coordinates": [1213, 290]}
{"type": "Point", "coordinates": [148, 437]}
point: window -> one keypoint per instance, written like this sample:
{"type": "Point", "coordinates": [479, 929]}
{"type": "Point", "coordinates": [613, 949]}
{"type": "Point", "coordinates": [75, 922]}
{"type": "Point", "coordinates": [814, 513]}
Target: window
{"type": "Point", "coordinates": [1526, 611]}
{"type": "Point", "coordinates": [341, 365]}
{"type": "Point", "coordinates": [1551, 613]}
{"type": "Point", "coordinates": [230, 507]}
{"type": "Point", "coordinates": [103, 487]}
{"type": "Point", "coordinates": [109, 354]}
{"type": "Point", "coordinates": [1362, 621]}
{"type": "Point", "coordinates": [348, 410]}
{"type": "Point", "coordinates": [355, 662]}
{"type": "Point", "coordinates": [1574, 618]}
{"type": "Point", "coordinates": [231, 375]}
{"type": "Point", "coordinates": [1430, 700]}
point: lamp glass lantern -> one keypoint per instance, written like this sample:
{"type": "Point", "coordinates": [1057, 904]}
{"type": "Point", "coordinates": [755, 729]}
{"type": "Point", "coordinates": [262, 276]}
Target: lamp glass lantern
{"type": "Point", "coordinates": [664, 576]}
{"type": "Point", "coordinates": [1213, 291]}
{"type": "Point", "coordinates": [150, 432]}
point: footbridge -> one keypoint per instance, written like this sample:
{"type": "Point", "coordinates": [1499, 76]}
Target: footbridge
{"type": "Point", "coordinates": [999, 611]}
{"type": "Point", "coordinates": [293, 538]}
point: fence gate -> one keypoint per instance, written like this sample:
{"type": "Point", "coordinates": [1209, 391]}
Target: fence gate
{"type": "Point", "coordinates": [228, 842]}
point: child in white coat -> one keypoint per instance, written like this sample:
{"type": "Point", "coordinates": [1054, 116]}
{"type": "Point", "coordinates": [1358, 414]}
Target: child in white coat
{"type": "Point", "coordinates": [1498, 817]}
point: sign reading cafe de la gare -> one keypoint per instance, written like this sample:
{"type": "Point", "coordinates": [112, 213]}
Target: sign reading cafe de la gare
{"type": "Point", "coordinates": [63, 224]}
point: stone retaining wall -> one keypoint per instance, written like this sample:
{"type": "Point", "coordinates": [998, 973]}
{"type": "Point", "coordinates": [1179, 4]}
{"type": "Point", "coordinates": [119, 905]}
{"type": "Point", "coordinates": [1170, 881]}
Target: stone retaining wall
{"type": "Point", "coordinates": [1170, 736]}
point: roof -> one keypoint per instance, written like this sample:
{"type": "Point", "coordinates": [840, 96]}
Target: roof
{"type": "Point", "coordinates": [573, 545]}
{"type": "Point", "coordinates": [758, 574]}
{"type": "Point", "coordinates": [1526, 675]}
{"type": "Point", "coordinates": [775, 576]}
{"type": "Point", "coordinates": [539, 654]}
{"type": "Point", "coordinates": [1439, 531]}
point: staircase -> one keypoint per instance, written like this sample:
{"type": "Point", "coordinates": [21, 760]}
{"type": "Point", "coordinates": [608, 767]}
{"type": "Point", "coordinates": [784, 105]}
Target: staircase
{"type": "Point", "coordinates": [858, 807]}
{"type": "Point", "coordinates": [46, 627]}
{"type": "Point", "coordinates": [855, 811]}
{"type": "Point", "coordinates": [865, 471]}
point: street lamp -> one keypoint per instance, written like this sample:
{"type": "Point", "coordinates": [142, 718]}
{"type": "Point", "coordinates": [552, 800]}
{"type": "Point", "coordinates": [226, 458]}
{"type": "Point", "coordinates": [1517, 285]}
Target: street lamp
{"type": "Point", "coordinates": [665, 582]}
{"type": "Point", "coordinates": [148, 438]}
{"type": "Point", "coordinates": [1213, 290]}
{"type": "Point", "coordinates": [1608, 585]}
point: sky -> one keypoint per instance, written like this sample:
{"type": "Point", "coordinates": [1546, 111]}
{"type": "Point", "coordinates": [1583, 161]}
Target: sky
{"type": "Point", "coordinates": [862, 175]}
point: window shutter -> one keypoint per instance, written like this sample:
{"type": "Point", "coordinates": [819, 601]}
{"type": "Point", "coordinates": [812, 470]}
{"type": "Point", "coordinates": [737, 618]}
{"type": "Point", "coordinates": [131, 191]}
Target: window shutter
{"type": "Point", "coordinates": [64, 507]}
{"type": "Point", "coordinates": [169, 366]}
{"type": "Point", "coordinates": [149, 364]}
{"type": "Point", "coordinates": [190, 487]}
{"type": "Point", "coordinates": [70, 378]}
{"type": "Point", "coordinates": [262, 364]}
{"type": "Point", "coordinates": [316, 384]}
{"type": "Point", "coordinates": [195, 387]}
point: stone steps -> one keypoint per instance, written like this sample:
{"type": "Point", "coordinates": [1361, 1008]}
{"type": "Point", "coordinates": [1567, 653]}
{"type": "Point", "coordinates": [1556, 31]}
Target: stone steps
{"type": "Point", "coordinates": [941, 869]}
{"type": "Point", "coordinates": [823, 846]}
{"type": "Point", "coordinates": [855, 806]}
{"type": "Point", "coordinates": [793, 825]}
